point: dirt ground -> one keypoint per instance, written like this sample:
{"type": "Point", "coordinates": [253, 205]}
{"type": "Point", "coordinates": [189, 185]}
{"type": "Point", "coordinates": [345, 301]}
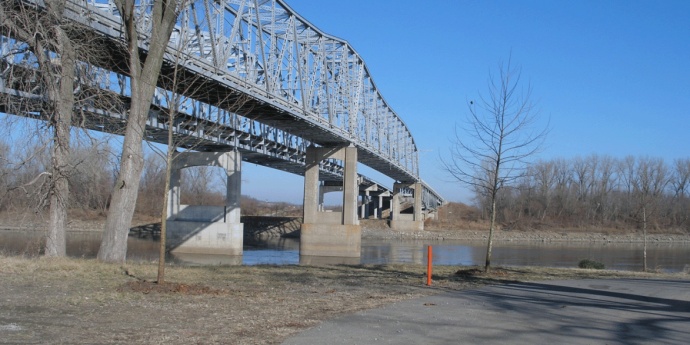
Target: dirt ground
{"type": "Point", "coordinates": [78, 301]}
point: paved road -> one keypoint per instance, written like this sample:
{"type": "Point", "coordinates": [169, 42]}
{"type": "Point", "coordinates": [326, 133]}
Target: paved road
{"type": "Point", "coordinates": [620, 311]}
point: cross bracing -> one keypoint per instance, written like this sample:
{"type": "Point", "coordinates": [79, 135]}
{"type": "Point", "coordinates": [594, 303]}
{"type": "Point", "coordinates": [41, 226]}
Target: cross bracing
{"type": "Point", "coordinates": [257, 142]}
{"type": "Point", "coordinates": [301, 81]}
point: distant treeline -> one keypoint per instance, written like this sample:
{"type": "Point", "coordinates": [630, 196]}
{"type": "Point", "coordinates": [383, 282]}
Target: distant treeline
{"type": "Point", "coordinates": [598, 191]}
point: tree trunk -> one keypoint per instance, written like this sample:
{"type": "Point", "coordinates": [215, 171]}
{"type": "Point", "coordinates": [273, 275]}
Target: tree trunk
{"type": "Point", "coordinates": [61, 89]}
{"type": "Point", "coordinates": [124, 196]}
{"type": "Point", "coordinates": [144, 76]}
{"type": "Point", "coordinates": [164, 214]}
{"type": "Point", "coordinates": [123, 200]}
{"type": "Point", "coordinates": [487, 264]}
{"type": "Point", "coordinates": [644, 235]}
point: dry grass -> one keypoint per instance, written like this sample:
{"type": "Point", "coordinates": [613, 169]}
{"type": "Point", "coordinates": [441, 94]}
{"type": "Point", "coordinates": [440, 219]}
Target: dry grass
{"type": "Point", "coordinates": [84, 301]}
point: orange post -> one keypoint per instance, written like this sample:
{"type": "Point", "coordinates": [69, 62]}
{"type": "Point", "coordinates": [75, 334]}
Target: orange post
{"type": "Point", "coordinates": [429, 257]}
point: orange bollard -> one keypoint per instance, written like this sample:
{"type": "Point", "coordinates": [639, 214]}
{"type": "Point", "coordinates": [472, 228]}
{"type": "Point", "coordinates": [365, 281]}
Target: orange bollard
{"type": "Point", "coordinates": [429, 257]}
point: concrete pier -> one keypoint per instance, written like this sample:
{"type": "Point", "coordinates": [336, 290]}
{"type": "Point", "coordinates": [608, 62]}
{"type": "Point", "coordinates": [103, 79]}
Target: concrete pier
{"type": "Point", "coordinates": [206, 229]}
{"type": "Point", "coordinates": [372, 205]}
{"type": "Point", "coordinates": [410, 195]}
{"type": "Point", "coordinates": [330, 234]}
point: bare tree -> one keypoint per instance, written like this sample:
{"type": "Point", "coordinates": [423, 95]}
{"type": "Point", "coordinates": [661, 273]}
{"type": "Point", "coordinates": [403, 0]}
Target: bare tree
{"type": "Point", "coordinates": [90, 180]}
{"type": "Point", "coordinates": [44, 32]}
{"type": "Point", "coordinates": [152, 185]}
{"type": "Point", "coordinates": [545, 177]}
{"type": "Point", "coordinates": [500, 137]}
{"type": "Point", "coordinates": [680, 182]}
{"type": "Point", "coordinates": [605, 181]}
{"type": "Point", "coordinates": [651, 178]}
{"type": "Point", "coordinates": [144, 73]}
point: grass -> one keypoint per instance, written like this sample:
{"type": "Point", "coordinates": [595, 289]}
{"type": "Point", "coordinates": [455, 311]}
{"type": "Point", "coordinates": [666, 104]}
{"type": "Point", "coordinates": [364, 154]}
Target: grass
{"type": "Point", "coordinates": [111, 304]}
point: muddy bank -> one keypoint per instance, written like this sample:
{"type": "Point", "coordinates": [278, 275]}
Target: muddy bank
{"type": "Point", "coordinates": [517, 235]}
{"type": "Point", "coordinates": [379, 229]}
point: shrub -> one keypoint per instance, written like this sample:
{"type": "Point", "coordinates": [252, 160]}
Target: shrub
{"type": "Point", "coordinates": [591, 264]}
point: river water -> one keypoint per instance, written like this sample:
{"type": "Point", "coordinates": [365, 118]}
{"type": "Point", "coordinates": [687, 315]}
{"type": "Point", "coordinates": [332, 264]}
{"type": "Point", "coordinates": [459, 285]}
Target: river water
{"type": "Point", "coordinates": [667, 257]}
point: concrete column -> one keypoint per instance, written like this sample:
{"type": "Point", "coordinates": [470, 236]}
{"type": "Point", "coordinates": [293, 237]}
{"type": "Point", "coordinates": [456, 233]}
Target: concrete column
{"type": "Point", "coordinates": [350, 187]}
{"type": "Point", "coordinates": [322, 196]}
{"type": "Point", "coordinates": [364, 208]}
{"type": "Point", "coordinates": [333, 234]}
{"type": "Point", "coordinates": [395, 202]}
{"type": "Point", "coordinates": [174, 194]}
{"type": "Point", "coordinates": [409, 221]}
{"type": "Point", "coordinates": [195, 229]}
{"type": "Point", "coordinates": [381, 205]}
{"type": "Point", "coordinates": [312, 193]}
{"type": "Point", "coordinates": [233, 191]}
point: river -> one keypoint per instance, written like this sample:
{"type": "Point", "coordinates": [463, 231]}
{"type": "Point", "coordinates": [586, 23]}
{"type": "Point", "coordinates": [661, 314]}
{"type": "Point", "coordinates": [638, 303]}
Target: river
{"type": "Point", "coordinates": [667, 257]}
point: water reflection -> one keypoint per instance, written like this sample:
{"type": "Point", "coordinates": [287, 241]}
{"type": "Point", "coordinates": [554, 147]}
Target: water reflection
{"type": "Point", "coordinates": [279, 251]}
{"type": "Point", "coordinates": [193, 259]}
{"type": "Point", "coordinates": [667, 257]}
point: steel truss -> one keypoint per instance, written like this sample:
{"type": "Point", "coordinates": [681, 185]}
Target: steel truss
{"type": "Point", "coordinates": [303, 82]}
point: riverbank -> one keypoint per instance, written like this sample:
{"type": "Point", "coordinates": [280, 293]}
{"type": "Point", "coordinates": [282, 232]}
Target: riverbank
{"type": "Point", "coordinates": [378, 229]}
{"type": "Point", "coordinates": [78, 301]}
{"type": "Point", "coordinates": [524, 235]}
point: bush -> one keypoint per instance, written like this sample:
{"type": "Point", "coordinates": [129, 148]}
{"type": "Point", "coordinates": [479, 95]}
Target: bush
{"type": "Point", "coordinates": [591, 264]}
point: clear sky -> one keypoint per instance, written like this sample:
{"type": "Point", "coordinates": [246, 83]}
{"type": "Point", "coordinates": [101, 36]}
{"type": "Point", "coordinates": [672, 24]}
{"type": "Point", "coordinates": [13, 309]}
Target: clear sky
{"type": "Point", "coordinates": [612, 76]}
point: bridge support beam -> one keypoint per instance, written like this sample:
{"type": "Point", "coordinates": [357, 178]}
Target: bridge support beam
{"type": "Point", "coordinates": [197, 229]}
{"type": "Point", "coordinates": [330, 234]}
{"type": "Point", "coordinates": [367, 206]}
{"type": "Point", "coordinates": [373, 202]}
{"type": "Point", "coordinates": [383, 205]}
{"type": "Point", "coordinates": [411, 195]}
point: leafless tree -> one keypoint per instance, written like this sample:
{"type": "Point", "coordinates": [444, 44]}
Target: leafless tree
{"type": "Point", "coordinates": [501, 134]}
{"type": "Point", "coordinates": [45, 35]}
{"type": "Point", "coordinates": [626, 175]}
{"type": "Point", "coordinates": [604, 183]}
{"type": "Point", "coordinates": [680, 182]}
{"type": "Point", "coordinates": [544, 174]}
{"type": "Point", "coordinates": [143, 73]}
{"type": "Point", "coordinates": [651, 179]}
{"type": "Point", "coordinates": [91, 179]}
{"type": "Point", "coordinates": [681, 177]}
{"type": "Point", "coordinates": [43, 57]}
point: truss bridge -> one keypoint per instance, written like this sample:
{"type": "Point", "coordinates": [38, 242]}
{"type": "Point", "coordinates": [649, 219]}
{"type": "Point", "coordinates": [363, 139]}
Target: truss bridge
{"type": "Point", "coordinates": [278, 92]}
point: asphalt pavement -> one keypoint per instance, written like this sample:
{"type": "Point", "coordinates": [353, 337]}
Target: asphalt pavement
{"type": "Point", "coordinates": [602, 311]}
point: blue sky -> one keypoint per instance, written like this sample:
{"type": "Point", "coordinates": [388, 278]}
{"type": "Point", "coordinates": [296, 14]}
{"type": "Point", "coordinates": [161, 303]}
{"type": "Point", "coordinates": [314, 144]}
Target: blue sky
{"type": "Point", "coordinates": [613, 77]}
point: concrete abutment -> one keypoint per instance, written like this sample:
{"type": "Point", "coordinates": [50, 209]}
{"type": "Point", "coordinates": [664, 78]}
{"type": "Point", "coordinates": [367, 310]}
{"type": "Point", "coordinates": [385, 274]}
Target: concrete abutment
{"type": "Point", "coordinates": [206, 229]}
{"type": "Point", "coordinates": [409, 196]}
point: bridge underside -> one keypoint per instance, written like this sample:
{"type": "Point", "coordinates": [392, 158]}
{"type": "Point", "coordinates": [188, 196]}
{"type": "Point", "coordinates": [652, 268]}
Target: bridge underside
{"type": "Point", "coordinates": [218, 230]}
